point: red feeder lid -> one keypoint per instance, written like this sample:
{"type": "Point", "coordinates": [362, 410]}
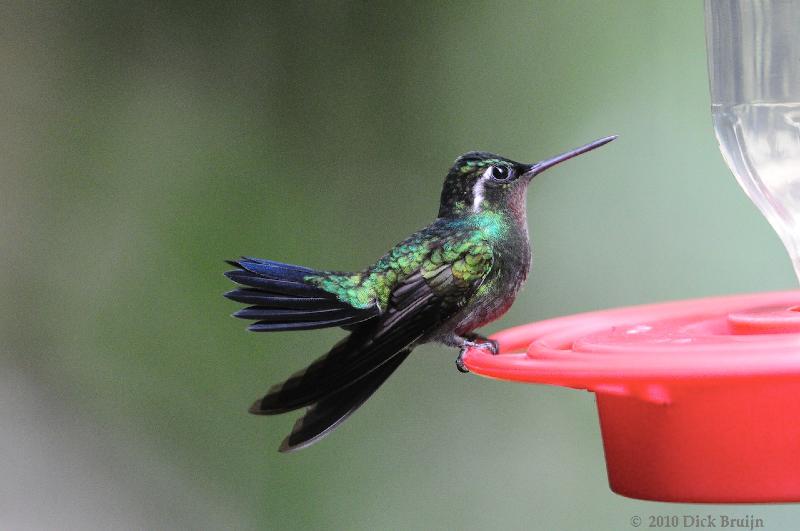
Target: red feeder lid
{"type": "Point", "coordinates": [698, 399]}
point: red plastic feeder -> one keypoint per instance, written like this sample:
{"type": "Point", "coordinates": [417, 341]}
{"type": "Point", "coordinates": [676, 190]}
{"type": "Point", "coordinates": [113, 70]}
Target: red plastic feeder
{"type": "Point", "coordinates": [699, 400]}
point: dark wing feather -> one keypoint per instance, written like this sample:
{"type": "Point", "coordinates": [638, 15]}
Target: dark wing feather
{"type": "Point", "coordinates": [337, 384]}
{"type": "Point", "coordinates": [414, 311]}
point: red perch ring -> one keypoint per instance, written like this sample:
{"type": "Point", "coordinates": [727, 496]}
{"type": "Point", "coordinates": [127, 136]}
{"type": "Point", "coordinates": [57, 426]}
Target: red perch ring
{"type": "Point", "coordinates": [699, 400]}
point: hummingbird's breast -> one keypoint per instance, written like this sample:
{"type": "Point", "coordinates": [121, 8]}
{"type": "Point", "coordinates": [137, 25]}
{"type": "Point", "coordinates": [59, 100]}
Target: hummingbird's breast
{"type": "Point", "coordinates": [510, 265]}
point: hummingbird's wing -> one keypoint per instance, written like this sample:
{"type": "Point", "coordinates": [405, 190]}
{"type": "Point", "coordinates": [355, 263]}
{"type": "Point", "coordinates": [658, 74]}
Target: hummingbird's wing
{"type": "Point", "coordinates": [338, 383]}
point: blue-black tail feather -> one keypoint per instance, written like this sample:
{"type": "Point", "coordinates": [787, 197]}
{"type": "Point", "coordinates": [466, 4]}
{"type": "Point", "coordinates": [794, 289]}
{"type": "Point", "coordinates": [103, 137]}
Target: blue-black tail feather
{"type": "Point", "coordinates": [327, 414]}
{"type": "Point", "coordinates": [283, 299]}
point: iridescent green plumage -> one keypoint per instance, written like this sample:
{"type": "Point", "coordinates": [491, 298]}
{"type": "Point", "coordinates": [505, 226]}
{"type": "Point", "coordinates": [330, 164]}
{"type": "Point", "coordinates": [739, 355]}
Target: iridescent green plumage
{"type": "Point", "coordinates": [440, 284]}
{"type": "Point", "coordinates": [461, 246]}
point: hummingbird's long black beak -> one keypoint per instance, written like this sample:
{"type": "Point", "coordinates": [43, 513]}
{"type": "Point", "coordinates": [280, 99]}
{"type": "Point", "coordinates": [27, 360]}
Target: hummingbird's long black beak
{"type": "Point", "coordinates": [539, 167]}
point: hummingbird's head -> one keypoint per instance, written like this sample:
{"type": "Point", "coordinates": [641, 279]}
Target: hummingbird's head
{"type": "Point", "coordinates": [480, 181]}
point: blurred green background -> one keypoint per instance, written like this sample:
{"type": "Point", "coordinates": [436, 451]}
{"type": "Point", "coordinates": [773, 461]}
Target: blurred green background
{"type": "Point", "coordinates": [144, 143]}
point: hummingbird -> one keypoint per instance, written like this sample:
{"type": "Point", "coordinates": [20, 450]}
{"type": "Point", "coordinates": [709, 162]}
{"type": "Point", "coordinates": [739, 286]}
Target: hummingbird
{"type": "Point", "coordinates": [440, 284]}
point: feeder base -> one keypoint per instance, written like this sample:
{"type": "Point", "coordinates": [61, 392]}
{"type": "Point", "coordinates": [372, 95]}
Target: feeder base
{"type": "Point", "coordinates": [731, 443]}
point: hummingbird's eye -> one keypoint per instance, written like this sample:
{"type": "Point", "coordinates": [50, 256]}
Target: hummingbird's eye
{"type": "Point", "coordinates": [500, 173]}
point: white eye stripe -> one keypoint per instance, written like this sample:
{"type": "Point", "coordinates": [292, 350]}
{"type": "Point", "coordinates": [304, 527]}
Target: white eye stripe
{"type": "Point", "coordinates": [479, 189]}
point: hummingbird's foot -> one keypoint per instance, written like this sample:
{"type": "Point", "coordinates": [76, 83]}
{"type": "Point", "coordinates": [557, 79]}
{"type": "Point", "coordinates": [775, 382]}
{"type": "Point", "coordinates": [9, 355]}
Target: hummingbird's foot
{"type": "Point", "coordinates": [460, 362]}
{"type": "Point", "coordinates": [478, 341]}
{"type": "Point", "coordinates": [475, 341]}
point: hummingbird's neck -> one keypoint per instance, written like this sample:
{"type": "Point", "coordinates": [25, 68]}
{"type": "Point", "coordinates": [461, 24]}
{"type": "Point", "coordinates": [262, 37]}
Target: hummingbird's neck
{"type": "Point", "coordinates": [499, 224]}
{"type": "Point", "coordinates": [516, 207]}
{"type": "Point", "coordinates": [512, 206]}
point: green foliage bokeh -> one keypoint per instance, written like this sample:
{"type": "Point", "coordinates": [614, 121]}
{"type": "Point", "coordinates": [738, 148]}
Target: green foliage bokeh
{"type": "Point", "coordinates": [145, 143]}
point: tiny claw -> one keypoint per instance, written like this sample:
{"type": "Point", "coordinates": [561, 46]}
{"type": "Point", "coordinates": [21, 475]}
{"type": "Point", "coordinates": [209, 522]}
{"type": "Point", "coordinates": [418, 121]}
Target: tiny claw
{"type": "Point", "coordinates": [494, 346]}
{"type": "Point", "coordinates": [484, 344]}
{"type": "Point", "coordinates": [460, 362]}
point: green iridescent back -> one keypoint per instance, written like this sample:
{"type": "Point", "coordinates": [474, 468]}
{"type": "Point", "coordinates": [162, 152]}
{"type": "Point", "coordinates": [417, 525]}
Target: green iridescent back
{"type": "Point", "coordinates": [463, 245]}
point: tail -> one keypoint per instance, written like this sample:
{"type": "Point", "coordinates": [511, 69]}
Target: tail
{"type": "Point", "coordinates": [327, 414]}
{"type": "Point", "coordinates": [338, 383]}
{"type": "Point", "coordinates": [282, 299]}
{"type": "Point", "coordinates": [332, 387]}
